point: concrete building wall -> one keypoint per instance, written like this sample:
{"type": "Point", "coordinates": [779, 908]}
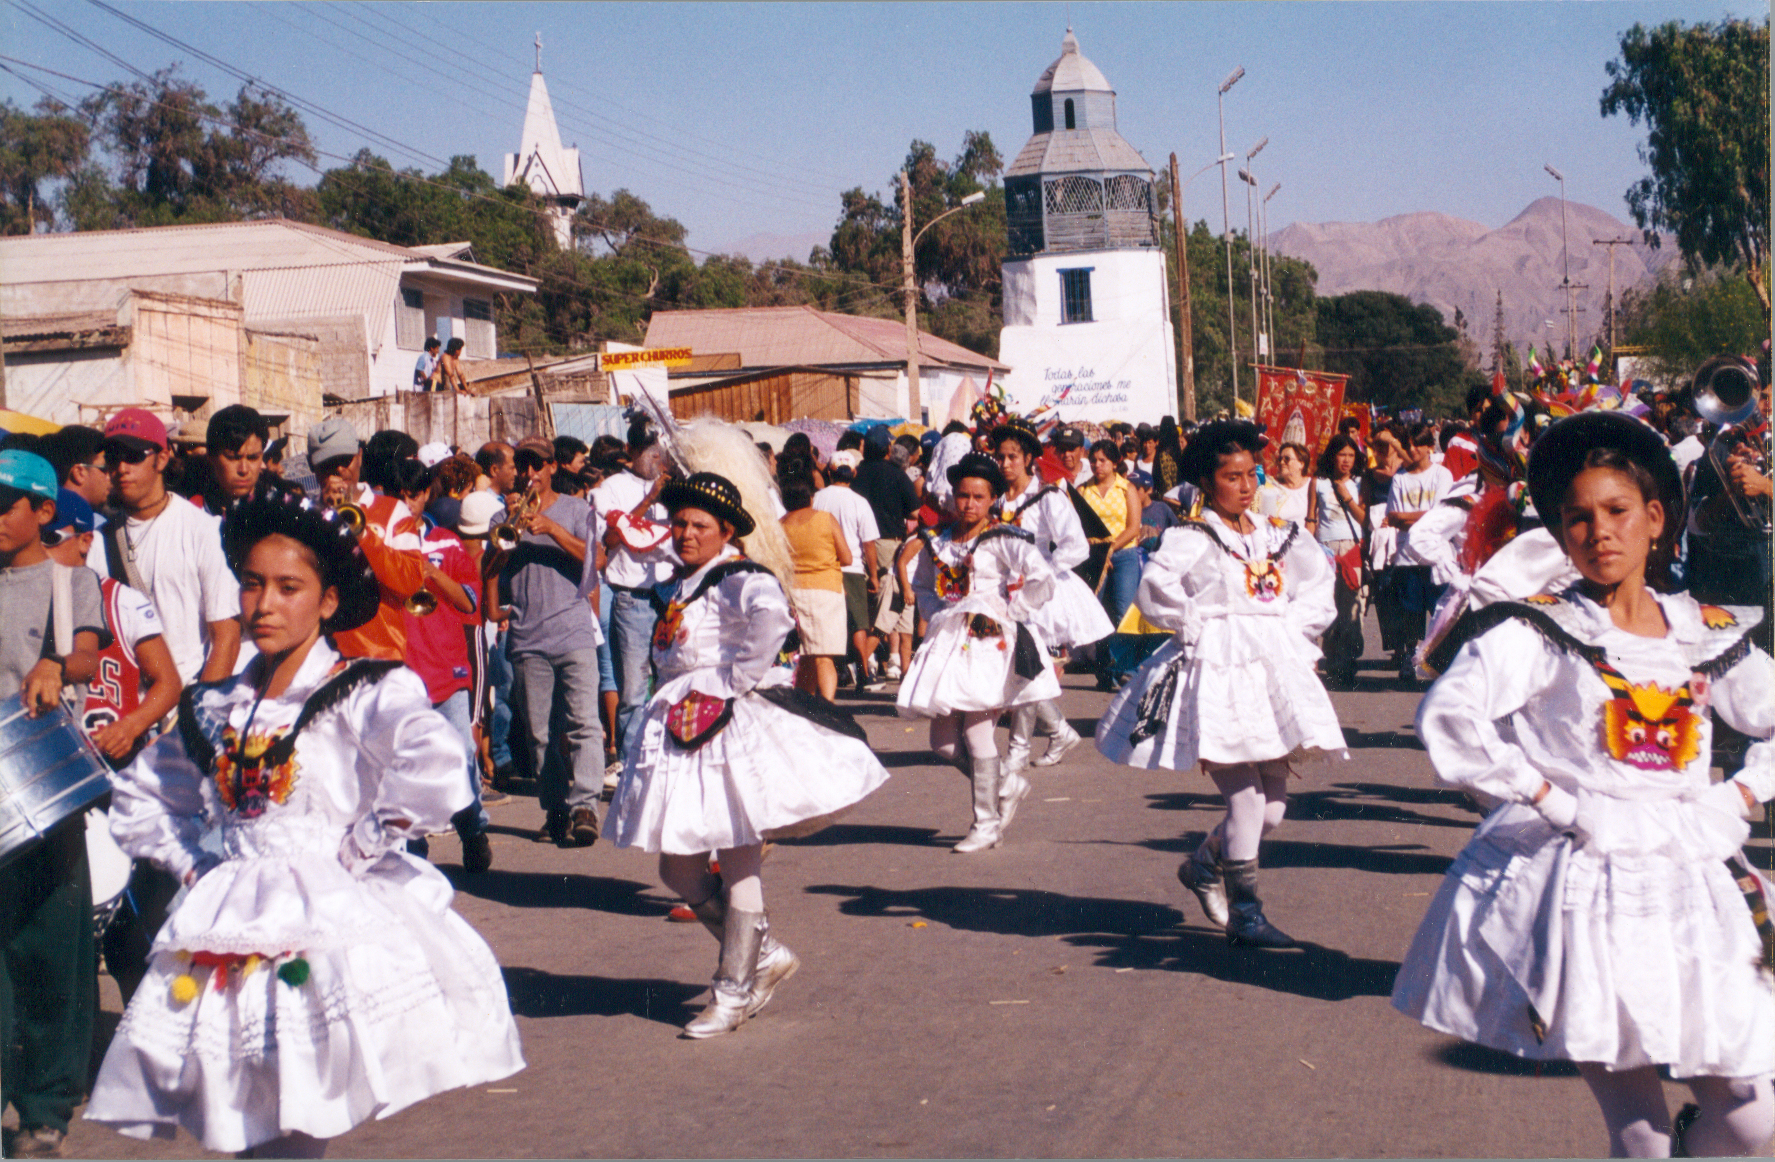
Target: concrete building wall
{"type": "Point", "coordinates": [184, 349]}
{"type": "Point", "coordinates": [282, 378]}
{"type": "Point", "coordinates": [52, 385]}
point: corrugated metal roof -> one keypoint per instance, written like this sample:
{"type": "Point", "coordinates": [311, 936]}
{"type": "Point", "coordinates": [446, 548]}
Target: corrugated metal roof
{"type": "Point", "coordinates": [307, 292]}
{"type": "Point", "coordinates": [1095, 150]}
{"type": "Point", "coordinates": [1072, 73]}
{"type": "Point", "coordinates": [801, 336]}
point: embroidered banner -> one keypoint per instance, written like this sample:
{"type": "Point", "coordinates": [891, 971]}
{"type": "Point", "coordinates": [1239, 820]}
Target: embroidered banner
{"type": "Point", "coordinates": [1298, 407]}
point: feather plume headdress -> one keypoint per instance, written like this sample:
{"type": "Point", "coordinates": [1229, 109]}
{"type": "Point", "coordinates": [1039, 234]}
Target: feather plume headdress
{"type": "Point", "coordinates": [712, 445]}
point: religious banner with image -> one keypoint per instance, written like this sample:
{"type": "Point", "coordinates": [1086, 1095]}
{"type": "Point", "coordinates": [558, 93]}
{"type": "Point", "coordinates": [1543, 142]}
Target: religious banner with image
{"type": "Point", "coordinates": [1298, 407]}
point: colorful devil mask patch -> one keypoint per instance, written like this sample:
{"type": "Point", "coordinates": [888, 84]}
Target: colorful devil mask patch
{"type": "Point", "coordinates": [1648, 726]}
{"type": "Point", "coordinates": [952, 580]}
{"type": "Point", "coordinates": [247, 786]}
{"type": "Point", "coordinates": [665, 630]}
{"type": "Point", "coordinates": [1263, 580]}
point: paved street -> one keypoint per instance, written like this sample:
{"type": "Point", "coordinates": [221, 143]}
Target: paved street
{"type": "Point", "coordinates": [1060, 996]}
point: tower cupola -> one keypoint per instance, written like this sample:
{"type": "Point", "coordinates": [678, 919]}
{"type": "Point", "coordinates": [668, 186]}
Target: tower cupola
{"type": "Point", "coordinates": [1077, 185]}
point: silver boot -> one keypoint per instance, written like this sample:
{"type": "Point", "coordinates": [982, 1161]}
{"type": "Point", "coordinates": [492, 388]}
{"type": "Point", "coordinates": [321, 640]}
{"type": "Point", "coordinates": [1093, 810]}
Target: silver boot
{"type": "Point", "coordinates": [1200, 873]}
{"type": "Point", "coordinates": [1065, 737]}
{"type": "Point", "coordinates": [988, 826]}
{"type": "Point", "coordinates": [732, 992]}
{"type": "Point", "coordinates": [776, 961]}
{"type": "Point", "coordinates": [1022, 730]}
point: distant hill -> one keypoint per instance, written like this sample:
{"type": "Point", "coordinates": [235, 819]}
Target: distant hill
{"type": "Point", "coordinates": [769, 247]}
{"type": "Point", "coordinates": [1452, 263]}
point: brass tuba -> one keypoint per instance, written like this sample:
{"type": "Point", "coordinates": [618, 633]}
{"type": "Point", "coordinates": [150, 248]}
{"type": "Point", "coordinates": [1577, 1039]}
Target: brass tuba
{"type": "Point", "coordinates": [1725, 394]}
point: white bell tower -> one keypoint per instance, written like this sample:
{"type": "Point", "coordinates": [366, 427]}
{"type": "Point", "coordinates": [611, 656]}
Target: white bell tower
{"type": "Point", "coordinates": [1087, 310]}
{"type": "Point", "coordinates": [542, 164]}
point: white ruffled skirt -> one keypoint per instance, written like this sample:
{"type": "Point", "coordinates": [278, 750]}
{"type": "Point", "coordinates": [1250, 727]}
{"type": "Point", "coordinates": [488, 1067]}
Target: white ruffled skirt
{"type": "Point", "coordinates": [1073, 616]}
{"type": "Point", "coordinates": [402, 1000]}
{"type": "Point", "coordinates": [1546, 948]}
{"type": "Point", "coordinates": [1244, 693]}
{"type": "Point", "coordinates": [770, 772]}
{"type": "Point", "coordinates": [954, 672]}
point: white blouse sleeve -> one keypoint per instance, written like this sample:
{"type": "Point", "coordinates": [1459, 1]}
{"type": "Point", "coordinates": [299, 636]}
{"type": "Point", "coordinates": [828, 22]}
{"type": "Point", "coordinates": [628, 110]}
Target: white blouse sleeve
{"type": "Point", "coordinates": [1492, 676]}
{"type": "Point", "coordinates": [1312, 587]}
{"type": "Point", "coordinates": [158, 811]}
{"type": "Point", "coordinates": [1029, 582]}
{"type": "Point", "coordinates": [421, 769]}
{"type": "Point", "coordinates": [1741, 699]}
{"type": "Point", "coordinates": [758, 602]}
{"type": "Point", "coordinates": [1163, 600]}
{"type": "Point", "coordinates": [1433, 540]}
{"type": "Point", "coordinates": [1071, 548]}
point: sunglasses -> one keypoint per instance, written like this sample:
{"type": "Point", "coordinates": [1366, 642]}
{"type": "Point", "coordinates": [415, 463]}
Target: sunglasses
{"type": "Point", "coordinates": [122, 454]}
{"type": "Point", "coordinates": [529, 461]}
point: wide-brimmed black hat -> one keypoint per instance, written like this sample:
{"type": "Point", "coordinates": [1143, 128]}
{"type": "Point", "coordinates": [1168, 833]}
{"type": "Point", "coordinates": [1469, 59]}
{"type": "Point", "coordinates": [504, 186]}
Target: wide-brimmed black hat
{"type": "Point", "coordinates": [981, 466]}
{"type": "Point", "coordinates": [1207, 443]}
{"type": "Point", "coordinates": [715, 495]}
{"type": "Point", "coordinates": [342, 562]}
{"type": "Point", "coordinates": [1019, 429]}
{"type": "Point", "coordinates": [1558, 454]}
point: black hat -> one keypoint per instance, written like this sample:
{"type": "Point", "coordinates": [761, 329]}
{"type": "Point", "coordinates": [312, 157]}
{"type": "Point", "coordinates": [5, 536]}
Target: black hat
{"type": "Point", "coordinates": [1557, 456]}
{"type": "Point", "coordinates": [342, 562]}
{"type": "Point", "coordinates": [980, 466]}
{"type": "Point", "coordinates": [1068, 437]}
{"type": "Point", "coordinates": [714, 494]}
{"type": "Point", "coordinates": [1019, 429]}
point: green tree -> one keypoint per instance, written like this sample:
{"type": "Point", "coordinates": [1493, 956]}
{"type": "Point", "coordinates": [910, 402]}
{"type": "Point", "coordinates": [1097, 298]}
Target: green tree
{"type": "Point", "coordinates": [178, 158]}
{"type": "Point", "coordinates": [35, 148]}
{"type": "Point", "coordinates": [1683, 320]}
{"type": "Point", "coordinates": [1703, 93]}
{"type": "Point", "coordinates": [1397, 353]}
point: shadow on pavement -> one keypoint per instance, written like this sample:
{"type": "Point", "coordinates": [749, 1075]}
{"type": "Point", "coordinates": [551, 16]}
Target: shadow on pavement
{"type": "Point", "coordinates": [844, 834]}
{"type": "Point", "coordinates": [1399, 859]}
{"type": "Point", "coordinates": [535, 993]}
{"type": "Point", "coordinates": [1128, 933]}
{"type": "Point", "coordinates": [1478, 1059]}
{"type": "Point", "coordinates": [553, 890]}
{"type": "Point", "coordinates": [1385, 739]}
{"type": "Point", "coordinates": [1360, 802]}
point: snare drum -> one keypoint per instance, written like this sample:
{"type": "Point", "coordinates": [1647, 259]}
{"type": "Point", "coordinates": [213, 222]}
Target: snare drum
{"type": "Point", "coordinates": [49, 772]}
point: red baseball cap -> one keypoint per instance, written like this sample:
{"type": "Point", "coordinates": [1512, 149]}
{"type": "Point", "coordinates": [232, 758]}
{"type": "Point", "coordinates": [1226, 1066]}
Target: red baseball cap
{"type": "Point", "coordinates": [137, 428]}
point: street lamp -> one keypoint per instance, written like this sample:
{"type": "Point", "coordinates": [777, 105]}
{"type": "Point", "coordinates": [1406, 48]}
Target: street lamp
{"type": "Point", "coordinates": [1269, 306]}
{"type": "Point", "coordinates": [908, 240]}
{"type": "Point", "coordinates": [1186, 339]}
{"type": "Point", "coordinates": [1250, 181]}
{"type": "Point", "coordinates": [1566, 256]}
{"type": "Point", "coordinates": [1226, 228]}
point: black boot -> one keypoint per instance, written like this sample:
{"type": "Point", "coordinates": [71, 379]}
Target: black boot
{"type": "Point", "coordinates": [1246, 924]}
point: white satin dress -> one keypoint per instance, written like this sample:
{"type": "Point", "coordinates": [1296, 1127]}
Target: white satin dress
{"type": "Point", "coordinates": [1621, 937]}
{"type": "Point", "coordinates": [1236, 680]}
{"type": "Point", "coordinates": [966, 665]}
{"type": "Point", "coordinates": [400, 999]}
{"type": "Point", "coordinates": [1072, 616]}
{"type": "Point", "coordinates": [769, 772]}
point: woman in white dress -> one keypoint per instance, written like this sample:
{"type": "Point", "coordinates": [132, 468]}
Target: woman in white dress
{"type": "Point", "coordinates": [979, 584]}
{"type": "Point", "coordinates": [1235, 688]}
{"type": "Point", "coordinates": [728, 754]}
{"type": "Point", "coordinates": [314, 975]}
{"type": "Point", "coordinates": [1073, 616]}
{"type": "Point", "coordinates": [1603, 913]}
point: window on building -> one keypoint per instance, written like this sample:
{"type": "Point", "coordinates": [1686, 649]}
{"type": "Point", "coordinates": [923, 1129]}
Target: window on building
{"type": "Point", "coordinates": [1069, 120]}
{"type": "Point", "coordinates": [477, 317]}
{"type": "Point", "coordinates": [409, 320]}
{"type": "Point", "coordinates": [1075, 295]}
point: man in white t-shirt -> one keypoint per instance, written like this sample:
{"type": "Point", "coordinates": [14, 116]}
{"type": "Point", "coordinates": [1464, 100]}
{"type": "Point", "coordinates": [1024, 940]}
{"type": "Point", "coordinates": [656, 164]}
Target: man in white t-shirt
{"type": "Point", "coordinates": [640, 557]}
{"type": "Point", "coordinates": [856, 519]}
{"type": "Point", "coordinates": [169, 549]}
{"type": "Point", "coordinates": [1417, 488]}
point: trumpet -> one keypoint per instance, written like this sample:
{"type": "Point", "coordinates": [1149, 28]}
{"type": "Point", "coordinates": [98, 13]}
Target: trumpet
{"type": "Point", "coordinates": [353, 518]}
{"type": "Point", "coordinates": [1725, 393]}
{"type": "Point", "coordinates": [422, 603]}
{"type": "Point", "coordinates": [505, 534]}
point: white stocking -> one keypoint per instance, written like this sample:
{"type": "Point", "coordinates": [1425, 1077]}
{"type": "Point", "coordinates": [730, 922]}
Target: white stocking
{"type": "Point", "coordinates": [740, 871]}
{"type": "Point", "coordinates": [978, 729]}
{"type": "Point", "coordinates": [1256, 796]}
{"type": "Point", "coordinates": [1737, 1118]}
{"type": "Point", "coordinates": [1633, 1110]}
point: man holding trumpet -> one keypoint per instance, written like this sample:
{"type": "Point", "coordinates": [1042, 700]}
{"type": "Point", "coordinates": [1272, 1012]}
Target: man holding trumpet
{"type": "Point", "coordinates": [552, 639]}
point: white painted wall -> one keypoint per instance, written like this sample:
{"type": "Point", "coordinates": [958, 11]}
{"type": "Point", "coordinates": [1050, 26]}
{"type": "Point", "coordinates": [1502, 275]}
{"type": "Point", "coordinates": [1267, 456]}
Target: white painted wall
{"type": "Point", "coordinates": [1120, 366]}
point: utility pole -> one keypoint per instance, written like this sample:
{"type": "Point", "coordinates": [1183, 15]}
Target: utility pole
{"type": "Point", "coordinates": [1186, 337]}
{"type": "Point", "coordinates": [1497, 336]}
{"type": "Point", "coordinates": [913, 403]}
{"type": "Point", "coordinates": [1572, 311]}
{"type": "Point", "coordinates": [1226, 230]}
{"type": "Point", "coordinates": [1611, 243]}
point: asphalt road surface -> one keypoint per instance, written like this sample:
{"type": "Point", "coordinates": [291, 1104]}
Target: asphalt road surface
{"type": "Point", "coordinates": [1059, 996]}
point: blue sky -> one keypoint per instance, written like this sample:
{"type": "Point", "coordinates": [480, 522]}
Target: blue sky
{"type": "Point", "coordinates": [740, 119]}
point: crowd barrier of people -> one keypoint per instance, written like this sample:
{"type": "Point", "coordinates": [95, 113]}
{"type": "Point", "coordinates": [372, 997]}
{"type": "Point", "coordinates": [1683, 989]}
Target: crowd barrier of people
{"type": "Point", "coordinates": [295, 688]}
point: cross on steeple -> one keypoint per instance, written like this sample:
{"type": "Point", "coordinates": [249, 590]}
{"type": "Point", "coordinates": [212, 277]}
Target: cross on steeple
{"type": "Point", "coordinates": [539, 52]}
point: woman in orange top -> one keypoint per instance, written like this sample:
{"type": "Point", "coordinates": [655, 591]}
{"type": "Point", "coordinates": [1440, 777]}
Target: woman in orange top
{"type": "Point", "coordinates": [817, 545]}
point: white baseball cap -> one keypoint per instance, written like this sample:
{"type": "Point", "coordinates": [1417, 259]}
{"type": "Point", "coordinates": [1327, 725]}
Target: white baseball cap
{"type": "Point", "coordinates": [479, 511]}
{"type": "Point", "coordinates": [435, 453]}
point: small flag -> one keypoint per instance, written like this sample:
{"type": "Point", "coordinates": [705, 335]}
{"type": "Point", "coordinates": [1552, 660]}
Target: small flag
{"type": "Point", "coordinates": [1594, 368]}
{"type": "Point", "coordinates": [1534, 363]}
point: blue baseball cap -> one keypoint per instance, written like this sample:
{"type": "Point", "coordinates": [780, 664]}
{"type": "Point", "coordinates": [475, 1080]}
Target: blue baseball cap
{"type": "Point", "coordinates": [28, 473]}
{"type": "Point", "coordinates": [1140, 478]}
{"type": "Point", "coordinates": [71, 509]}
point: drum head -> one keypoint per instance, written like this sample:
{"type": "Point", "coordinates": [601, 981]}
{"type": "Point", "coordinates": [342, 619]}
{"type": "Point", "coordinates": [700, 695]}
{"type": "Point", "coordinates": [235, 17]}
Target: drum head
{"type": "Point", "coordinates": [110, 865]}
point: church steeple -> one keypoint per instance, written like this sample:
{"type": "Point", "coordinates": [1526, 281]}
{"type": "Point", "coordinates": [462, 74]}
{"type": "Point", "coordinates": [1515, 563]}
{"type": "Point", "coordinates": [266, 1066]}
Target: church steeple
{"type": "Point", "coordinates": [542, 163]}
